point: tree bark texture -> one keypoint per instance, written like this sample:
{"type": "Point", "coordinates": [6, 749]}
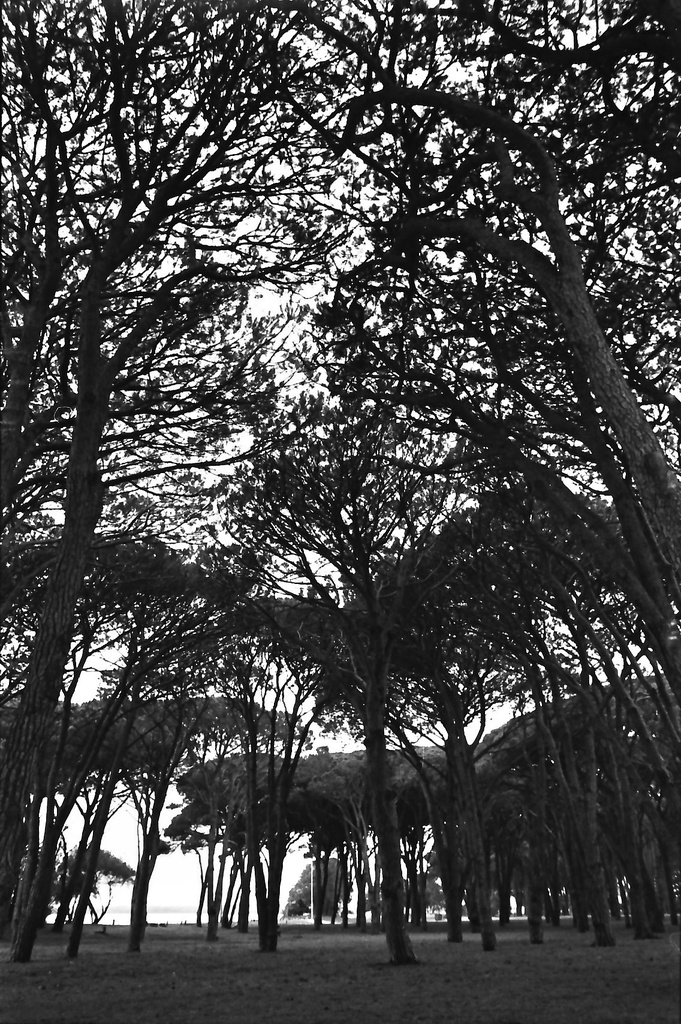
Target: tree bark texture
{"type": "Point", "coordinates": [26, 744]}
{"type": "Point", "coordinates": [140, 891]}
{"type": "Point", "coordinates": [386, 825]}
{"type": "Point", "coordinates": [462, 760]}
{"type": "Point", "coordinates": [445, 840]}
{"type": "Point", "coordinates": [598, 897]}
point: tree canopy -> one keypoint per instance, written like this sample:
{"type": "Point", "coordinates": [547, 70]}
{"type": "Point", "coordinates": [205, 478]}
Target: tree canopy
{"type": "Point", "coordinates": [340, 388]}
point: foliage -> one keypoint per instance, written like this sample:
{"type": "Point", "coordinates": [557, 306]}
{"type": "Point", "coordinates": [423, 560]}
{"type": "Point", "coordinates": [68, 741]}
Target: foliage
{"type": "Point", "coordinates": [111, 872]}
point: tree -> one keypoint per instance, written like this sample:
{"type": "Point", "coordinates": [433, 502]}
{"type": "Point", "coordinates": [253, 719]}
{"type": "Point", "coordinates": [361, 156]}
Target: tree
{"type": "Point", "coordinates": [331, 802]}
{"type": "Point", "coordinates": [275, 693]}
{"type": "Point", "coordinates": [213, 789]}
{"type": "Point", "coordinates": [345, 514]}
{"type": "Point", "coordinates": [143, 147]}
{"type": "Point", "coordinates": [133, 598]}
{"type": "Point", "coordinates": [111, 871]}
{"type": "Point", "coordinates": [299, 900]}
{"type": "Point", "coordinates": [450, 678]}
{"type": "Point", "coordinates": [517, 171]}
{"type": "Point", "coordinates": [162, 733]}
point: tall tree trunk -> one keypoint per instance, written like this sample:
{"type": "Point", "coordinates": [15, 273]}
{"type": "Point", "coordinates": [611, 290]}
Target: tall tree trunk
{"type": "Point", "coordinates": [202, 894]}
{"type": "Point", "coordinates": [151, 844]}
{"type": "Point", "coordinates": [579, 900]}
{"type": "Point", "coordinates": [472, 907]}
{"type": "Point", "coordinates": [598, 898]}
{"type": "Point", "coordinates": [475, 842]}
{"type": "Point", "coordinates": [228, 907]}
{"type": "Point", "coordinates": [360, 874]}
{"type": "Point", "coordinates": [99, 825]}
{"type": "Point", "coordinates": [537, 830]}
{"type": "Point", "coordinates": [213, 905]}
{"type": "Point", "coordinates": [34, 909]}
{"type": "Point", "coordinates": [31, 893]}
{"type": "Point", "coordinates": [214, 922]}
{"type": "Point", "coordinates": [653, 905]}
{"type": "Point", "coordinates": [25, 751]}
{"type": "Point", "coordinates": [423, 899]}
{"type": "Point", "coordinates": [672, 897]}
{"type": "Point", "coordinates": [554, 885]}
{"type": "Point", "coordinates": [385, 824]}
{"type": "Point", "coordinates": [611, 883]}
{"type": "Point", "coordinates": [629, 849]}
{"type": "Point", "coordinates": [316, 888]}
{"type": "Point", "coordinates": [140, 890]}
{"type": "Point", "coordinates": [536, 884]}
{"type": "Point", "coordinates": [277, 837]}
{"type": "Point", "coordinates": [337, 888]}
{"type": "Point", "coordinates": [343, 870]}
{"type": "Point", "coordinates": [446, 842]}
{"type": "Point", "coordinates": [245, 900]}
{"type": "Point", "coordinates": [375, 897]}
{"type": "Point", "coordinates": [504, 860]}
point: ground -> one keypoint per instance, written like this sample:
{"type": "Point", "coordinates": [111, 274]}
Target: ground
{"type": "Point", "coordinates": [341, 977]}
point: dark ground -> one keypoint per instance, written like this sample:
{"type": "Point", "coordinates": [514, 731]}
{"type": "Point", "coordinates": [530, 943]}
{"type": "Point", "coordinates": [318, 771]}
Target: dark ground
{"type": "Point", "coordinates": [337, 977]}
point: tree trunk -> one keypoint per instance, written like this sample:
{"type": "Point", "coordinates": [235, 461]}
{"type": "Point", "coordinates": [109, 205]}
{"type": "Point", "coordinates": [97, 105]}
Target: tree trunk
{"type": "Point", "coordinates": [32, 890]}
{"type": "Point", "coordinates": [472, 907]}
{"type": "Point", "coordinates": [228, 907]}
{"type": "Point", "coordinates": [214, 924]}
{"type": "Point", "coordinates": [375, 898]}
{"type": "Point", "coordinates": [423, 898]}
{"type": "Point", "coordinates": [611, 883]}
{"type": "Point", "coordinates": [579, 902]}
{"type": "Point", "coordinates": [76, 868]}
{"type": "Point", "coordinates": [213, 904]}
{"type": "Point", "coordinates": [269, 932]}
{"type": "Point", "coordinates": [99, 825]}
{"type": "Point", "coordinates": [453, 903]}
{"type": "Point", "coordinates": [669, 883]}
{"type": "Point", "coordinates": [343, 868]}
{"type": "Point", "coordinates": [361, 887]}
{"type": "Point", "coordinates": [245, 900]}
{"type": "Point", "coordinates": [504, 865]}
{"type": "Point", "coordinates": [140, 891]}
{"type": "Point", "coordinates": [535, 903]}
{"type": "Point", "coordinates": [475, 844]}
{"type": "Point", "coordinates": [445, 840]}
{"type": "Point", "coordinates": [653, 906]}
{"type": "Point", "coordinates": [150, 848]}
{"type": "Point", "coordinates": [261, 904]}
{"type": "Point", "coordinates": [629, 849]}
{"type": "Point", "coordinates": [338, 883]}
{"type": "Point", "coordinates": [536, 876]}
{"type": "Point", "coordinates": [536, 833]}
{"type": "Point", "coordinates": [317, 890]}
{"type": "Point", "coordinates": [386, 825]}
{"type": "Point", "coordinates": [202, 898]}
{"type": "Point", "coordinates": [598, 898]}
{"type": "Point", "coordinates": [555, 886]}
{"type": "Point", "coordinates": [26, 748]}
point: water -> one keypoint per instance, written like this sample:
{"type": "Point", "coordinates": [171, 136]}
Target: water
{"type": "Point", "coordinates": [155, 915]}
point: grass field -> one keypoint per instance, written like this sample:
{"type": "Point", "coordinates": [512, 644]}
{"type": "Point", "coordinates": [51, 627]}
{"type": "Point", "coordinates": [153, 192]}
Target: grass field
{"type": "Point", "coordinates": [341, 977]}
